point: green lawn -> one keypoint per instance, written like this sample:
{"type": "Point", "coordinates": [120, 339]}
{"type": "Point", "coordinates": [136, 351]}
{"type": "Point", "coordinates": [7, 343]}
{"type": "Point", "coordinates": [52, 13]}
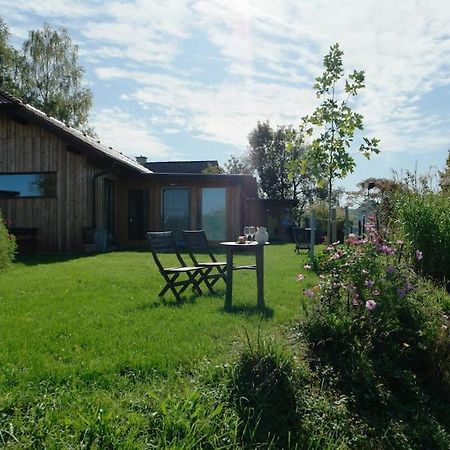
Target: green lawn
{"type": "Point", "coordinates": [88, 333]}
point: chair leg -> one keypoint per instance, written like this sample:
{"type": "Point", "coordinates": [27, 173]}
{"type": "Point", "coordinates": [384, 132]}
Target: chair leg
{"type": "Point", "coordinates": [205, 277]}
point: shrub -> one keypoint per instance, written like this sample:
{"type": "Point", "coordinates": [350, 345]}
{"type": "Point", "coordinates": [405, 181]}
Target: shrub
{"type": "Point", "coordinates": [425, 220]}
{"type": "Point", "coordinates": [379, 334]}
{"type": "Point", "coordinates": [7, 245]}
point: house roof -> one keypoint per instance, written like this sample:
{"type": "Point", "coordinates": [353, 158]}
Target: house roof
{"type": "Point", "coordinates": [180, 166]}
{"type": "Point", "coordinates": [76, 139]}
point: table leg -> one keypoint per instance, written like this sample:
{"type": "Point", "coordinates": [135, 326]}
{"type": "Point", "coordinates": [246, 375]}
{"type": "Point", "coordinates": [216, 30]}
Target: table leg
{"type": "Point", "coordinates": [260, 275]}
{"type": "Point", "coordinates": [229, 279]}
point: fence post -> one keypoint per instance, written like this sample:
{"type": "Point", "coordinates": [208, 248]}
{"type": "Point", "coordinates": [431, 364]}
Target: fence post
{"type": "Point", "coordinates": [312, 236]}
{"type": "Point", "coordinates": [346, 223]}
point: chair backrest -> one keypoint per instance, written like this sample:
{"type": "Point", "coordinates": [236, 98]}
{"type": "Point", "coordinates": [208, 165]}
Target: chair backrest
{"type": "Point", "coordinates": [196, 242]}
{"type": "Point", "coordinates": [163, 242]}
{"type": "Point", "coordinates": [300, 236]}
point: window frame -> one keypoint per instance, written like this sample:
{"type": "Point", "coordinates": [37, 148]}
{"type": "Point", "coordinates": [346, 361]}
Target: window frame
{"type": "Point", "coordinates": [40, 172]}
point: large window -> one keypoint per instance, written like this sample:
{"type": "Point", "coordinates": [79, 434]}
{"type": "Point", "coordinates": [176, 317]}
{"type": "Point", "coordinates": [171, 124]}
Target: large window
{"type": "Point", "coordinates": [28, 185]}
{"type": "Point", "coordinates": [175, 211]}
{"type": "Point", "coordinates": [214, 213]}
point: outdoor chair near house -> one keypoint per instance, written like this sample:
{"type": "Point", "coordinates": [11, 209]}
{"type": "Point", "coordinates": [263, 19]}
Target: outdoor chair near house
{"type": "Point", "coordinates": [302, 239]}
{"type": "Point", "coordinates": [198, 249]}
{"type": "Point", "coordinates": [164, 243]}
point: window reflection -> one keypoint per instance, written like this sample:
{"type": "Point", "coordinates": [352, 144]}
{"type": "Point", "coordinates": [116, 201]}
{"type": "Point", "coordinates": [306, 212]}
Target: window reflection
{"type": "Point", "coordinates": [176, 211]}
{"type": "Point", "coordinates": [28, 185]}
{"type": "Point", "coordinates": [214, 213]}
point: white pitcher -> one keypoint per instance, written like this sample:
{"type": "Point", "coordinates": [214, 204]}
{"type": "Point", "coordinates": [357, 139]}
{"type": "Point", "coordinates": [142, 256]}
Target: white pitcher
{"type": "Point", "coordinates": [261, 236]}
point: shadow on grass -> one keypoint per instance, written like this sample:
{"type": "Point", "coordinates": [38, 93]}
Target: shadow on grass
{"type": "Point", "coordinates": [35, 259]}
{"type": "Point", "coordinates": [250, 310]}
{"type": "Point", "coordinates": [163, 302]}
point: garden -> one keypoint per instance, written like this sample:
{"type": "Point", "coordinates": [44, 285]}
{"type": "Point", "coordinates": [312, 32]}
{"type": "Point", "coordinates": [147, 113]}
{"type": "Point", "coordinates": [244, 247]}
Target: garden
{"type": "Point", "coordinates": [351, 351]}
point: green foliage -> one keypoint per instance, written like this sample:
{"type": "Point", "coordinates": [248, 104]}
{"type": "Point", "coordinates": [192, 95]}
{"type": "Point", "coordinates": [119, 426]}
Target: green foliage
{"type": "Point", "coordinates": [213, 169]}
{"type": "Point", "coordinates": [445, 176]}
{"type": "Point", "coordinates": [46, 74]}
{"type": "Point", "coordinates": [328, 155]}
{"type": "Point", "coordinates": [272, 152]}
{"type": "Point", "coordinates": [379, 335]}
{"type": "Point", "coordinates": [7, 245]}
{"type": "Point", "coordinates": [424, 218]}
{"type": "Point", "coordinates": [239, 165]}
{"type": "Point", "coordinates": [9, 60]}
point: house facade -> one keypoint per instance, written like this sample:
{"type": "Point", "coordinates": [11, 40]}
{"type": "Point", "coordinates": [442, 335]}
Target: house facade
{"type": "Point", "coordinates": [63, 184]}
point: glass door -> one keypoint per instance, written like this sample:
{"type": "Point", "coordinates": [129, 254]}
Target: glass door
{"type": "Point", "coordinates": [214, 213]}
{"type": "Point", "coordinates": [175, 211]}
{"type": "Point", "coordinates": [138, 212]}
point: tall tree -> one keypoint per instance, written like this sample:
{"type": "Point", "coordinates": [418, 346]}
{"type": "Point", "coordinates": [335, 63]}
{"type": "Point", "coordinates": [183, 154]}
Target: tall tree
{"type": "Point", "coordinates": [9, 61]}
{"type": "Point", "coordinates": [270, 156]}
{"type": "Point", "coordinates": [52, 78]}
{"type": "Point", "coordinates": [328, 155]}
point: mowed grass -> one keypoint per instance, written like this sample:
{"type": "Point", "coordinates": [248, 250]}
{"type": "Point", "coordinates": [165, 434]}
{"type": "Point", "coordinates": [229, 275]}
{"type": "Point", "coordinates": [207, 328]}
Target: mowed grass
{"type": "Point", "coordinates": [88, 332]}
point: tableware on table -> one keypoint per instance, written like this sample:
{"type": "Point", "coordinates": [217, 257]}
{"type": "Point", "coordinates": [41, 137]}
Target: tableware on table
{"type": "Point", "coordinates": [262, 236]}
{"type": "Point", "coordinates": [252, 231]}
{"type": "Point", "coordinates": [247, 233]}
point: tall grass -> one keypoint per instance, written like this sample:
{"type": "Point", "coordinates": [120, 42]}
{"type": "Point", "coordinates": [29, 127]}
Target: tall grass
{"type": "Point", "coordinates": [425, 221]}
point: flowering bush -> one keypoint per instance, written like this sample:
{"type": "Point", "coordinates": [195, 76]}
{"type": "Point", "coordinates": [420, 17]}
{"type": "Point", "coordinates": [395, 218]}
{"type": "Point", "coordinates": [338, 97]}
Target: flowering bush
{"type": "Point", "coordinates": [7, 245]}
{"type": "Point", "coordinates": [379, 331]}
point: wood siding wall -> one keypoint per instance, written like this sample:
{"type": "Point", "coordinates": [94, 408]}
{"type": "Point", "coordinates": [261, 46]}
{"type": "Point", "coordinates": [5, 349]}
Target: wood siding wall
{"type": "Point", "coordinates": [234, 205]}
{"type": "Point", "coordinates": [29, 148]}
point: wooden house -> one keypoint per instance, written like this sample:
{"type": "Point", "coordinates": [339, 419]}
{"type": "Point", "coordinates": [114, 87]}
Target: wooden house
{"type": "Point", "coordinates": [58, 186]}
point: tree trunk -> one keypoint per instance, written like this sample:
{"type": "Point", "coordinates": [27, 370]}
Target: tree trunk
{"type": "Point", "coordinates": [329, 223]}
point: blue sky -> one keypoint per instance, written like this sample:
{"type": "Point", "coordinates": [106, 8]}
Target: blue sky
{"type": "Point", "coordinates": [189, 79]}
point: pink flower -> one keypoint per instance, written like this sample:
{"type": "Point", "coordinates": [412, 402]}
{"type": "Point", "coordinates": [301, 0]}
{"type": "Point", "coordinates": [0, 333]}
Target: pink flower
{"type": "Point", "coordinates": [376, 292]}
{"type": "Point", "coordinates": [399, 242]}
{"type": "Point", "coordinates": [371, 305]}
{"type": "Point", "coordinates": [419, 255]}
{"type": "Point", "coordinates": [300, 277]}
{"type": "Point", "coordinates": [309, 293]}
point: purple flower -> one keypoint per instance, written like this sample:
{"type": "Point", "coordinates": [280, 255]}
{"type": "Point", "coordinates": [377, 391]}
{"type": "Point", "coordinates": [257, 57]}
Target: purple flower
{"type": "Point", "coordinates": [390, 269]}
{"type": "Point", "coordinates": [371, 305]}
{"type": "Point", "coordinates": [401, 292]}
{"type": "Point", "coordinates": [309, 293]}
{"type": "Point", "coordinates": [419, 255]}
{"type": "Point", "coordinates": [386, 249]}
{"type": "Point", "coordinates": [409, 286]}
{"type": "Point", "coordinates": [369, 283]}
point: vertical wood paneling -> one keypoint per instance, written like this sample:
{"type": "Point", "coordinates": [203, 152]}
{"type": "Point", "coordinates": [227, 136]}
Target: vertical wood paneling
{"type": "Point", "coordinates": [29, 148]}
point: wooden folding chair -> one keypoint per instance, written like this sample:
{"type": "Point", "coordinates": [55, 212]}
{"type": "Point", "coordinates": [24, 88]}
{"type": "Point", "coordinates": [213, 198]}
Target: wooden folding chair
{"type": "Point", "coordinates": [164, 242]}
{"type": "Point", "coordinates": [197, 244]}
{"type": "Point", "coordinates": [301, 239]}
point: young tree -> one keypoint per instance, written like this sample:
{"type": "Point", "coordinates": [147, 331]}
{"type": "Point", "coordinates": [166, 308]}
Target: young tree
{"type": "Point", "coordinates": [51, 78]}
{"type": "Point", "coordinates": [328, 155]}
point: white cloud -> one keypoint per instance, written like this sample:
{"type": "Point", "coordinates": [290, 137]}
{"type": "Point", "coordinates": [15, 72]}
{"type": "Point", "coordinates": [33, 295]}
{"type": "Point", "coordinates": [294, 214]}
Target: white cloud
{"type": "Point", "coordinates": [268, 53]}
{"type": "Point", "coordinates": [123, 132]}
